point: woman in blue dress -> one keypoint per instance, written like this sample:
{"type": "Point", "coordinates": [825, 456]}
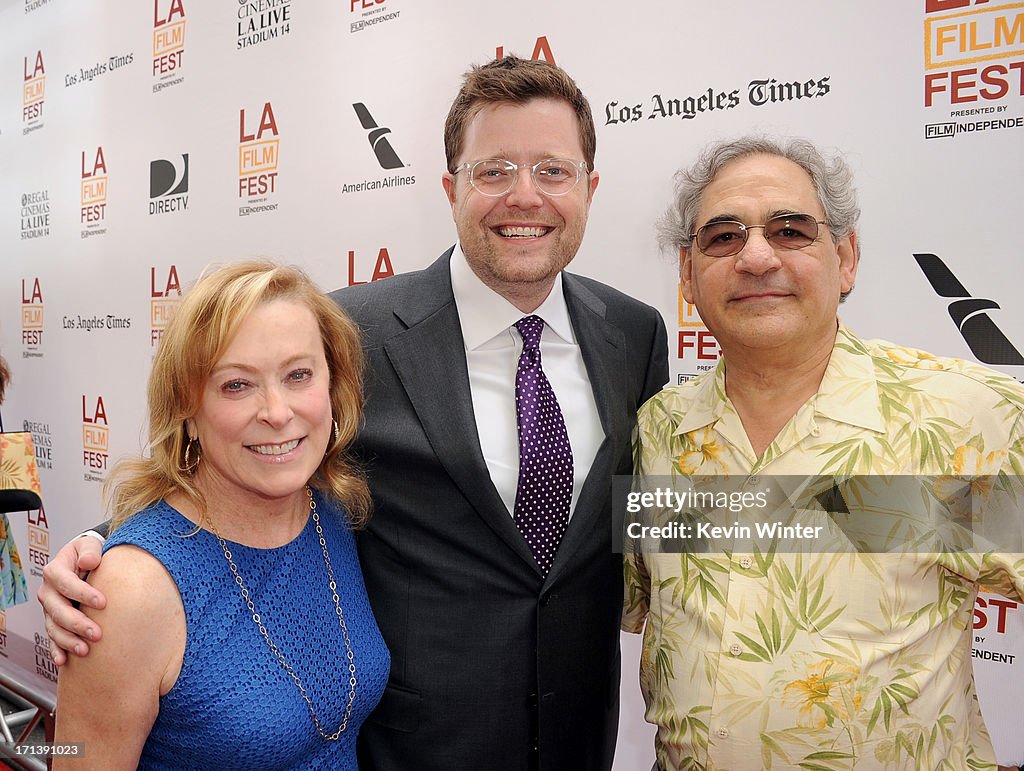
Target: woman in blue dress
{"type": "Point", "coordinates": [237, 631]}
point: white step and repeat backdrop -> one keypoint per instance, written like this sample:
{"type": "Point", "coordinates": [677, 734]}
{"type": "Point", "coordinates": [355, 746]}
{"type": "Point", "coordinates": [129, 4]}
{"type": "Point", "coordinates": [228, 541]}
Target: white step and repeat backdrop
{"type": "Point", "coordinates": [139, 141]}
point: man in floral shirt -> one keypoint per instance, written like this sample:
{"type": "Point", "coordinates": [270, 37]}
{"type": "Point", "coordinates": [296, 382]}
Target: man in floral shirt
{"type": "Point", "coordinates": [805, 654]}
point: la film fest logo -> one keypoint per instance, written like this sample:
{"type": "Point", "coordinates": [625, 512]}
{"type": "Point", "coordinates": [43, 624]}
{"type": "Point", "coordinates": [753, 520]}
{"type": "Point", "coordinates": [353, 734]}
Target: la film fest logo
{"type": "Point", "coordinates": [94, 192]}
{"type": "Point", "coordinates": [259, 151]}
{"type": "Point", "coordinates": [95, 438]}
{"type": "Point", "coordinates": [164, 296]}
{"type": "Point", "coordinates": [262, 20]}
{"type": "Point", "coordinates": [33, 93]}
{"type": "Point", "coordinates": [168, 185]}
{"type": "Point", "coordinates": [991, 614]}
{"type": "Point", "coordinates": [696, 347]}
{"type": "Point", "coordinates": [382, 267]}
{"type": "Point", "coordinates": [986, 341]}
{"type": "Point", "coordinates": [371, 13]}
{"type": "Point", "coordinates": [35, 215]}
{"type": "Point", "coordinates": [31, 317]}
{"type": "Point", "coordinates": [34, 5]}
{"type": "Point", "coordinates": [168, 42]}
{"type": "Point", "coordinates": [384, 153]}
{"type": "Point", "coordinates": [38, 541]}
{"type": "Point", "coordinates": [974, 65]}
{"type": "Point", "coordinates": [541, 51]}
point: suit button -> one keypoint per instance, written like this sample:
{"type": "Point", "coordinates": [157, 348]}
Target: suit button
{"type": "Point", "coordinates": [547, 597]}
{"type": "Point", "coordinates": [531, 700]}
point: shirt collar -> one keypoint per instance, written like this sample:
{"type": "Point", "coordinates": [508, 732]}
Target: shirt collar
{"type": "Point", "coordinates": [484, 314]}
{"type": "Point", "coordinates": [848, 392]}
{"type": "Point", "coordinates": [849, 389]}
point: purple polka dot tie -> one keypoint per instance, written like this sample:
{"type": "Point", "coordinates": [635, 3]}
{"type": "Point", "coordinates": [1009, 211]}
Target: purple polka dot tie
{"type": "Point", "coordinates": [544, 492]}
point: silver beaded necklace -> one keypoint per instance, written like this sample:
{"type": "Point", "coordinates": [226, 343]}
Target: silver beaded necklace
{"type": "Point", "coordinates": [352, 682]}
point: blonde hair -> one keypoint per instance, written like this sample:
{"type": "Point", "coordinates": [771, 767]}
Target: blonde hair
{"type": "Point", "coordinates": [200, 331]}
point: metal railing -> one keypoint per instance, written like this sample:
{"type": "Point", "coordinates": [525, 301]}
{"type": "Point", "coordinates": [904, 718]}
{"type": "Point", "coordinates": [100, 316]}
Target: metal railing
{"type": "Point", "coordinates": [32, 708]}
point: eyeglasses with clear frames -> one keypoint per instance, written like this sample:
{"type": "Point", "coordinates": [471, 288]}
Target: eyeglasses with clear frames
{"type": "Point", "coordinates": [724, 238]}
{"type": "Point", "coordinates": [495, 177]}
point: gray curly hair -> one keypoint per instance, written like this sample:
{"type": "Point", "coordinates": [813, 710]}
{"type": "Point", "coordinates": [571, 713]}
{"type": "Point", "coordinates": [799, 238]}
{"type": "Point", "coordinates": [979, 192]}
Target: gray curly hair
{"type": "Point", "coordinates": [831, 176]}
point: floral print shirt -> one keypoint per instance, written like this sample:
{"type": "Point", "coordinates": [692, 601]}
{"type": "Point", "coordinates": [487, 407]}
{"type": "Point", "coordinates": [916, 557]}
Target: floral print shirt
{"type": "Point", "coordinates": [815, 660]}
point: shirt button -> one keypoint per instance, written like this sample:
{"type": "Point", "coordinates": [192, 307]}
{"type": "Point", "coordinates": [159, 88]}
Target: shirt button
{"type": "Point", "coordinates": [746, 562]}
{"type": "Point", "coordinates": [753, 481]}
{"type": "Point", "coordinates": [735, 649]}
{"type": "Point", "coordinates": [723, 733]}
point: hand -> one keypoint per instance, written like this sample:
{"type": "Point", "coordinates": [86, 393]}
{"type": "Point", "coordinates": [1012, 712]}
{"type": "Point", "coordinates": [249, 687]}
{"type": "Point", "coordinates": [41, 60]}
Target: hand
{"type": "Point", "coordinates": [67, 627]}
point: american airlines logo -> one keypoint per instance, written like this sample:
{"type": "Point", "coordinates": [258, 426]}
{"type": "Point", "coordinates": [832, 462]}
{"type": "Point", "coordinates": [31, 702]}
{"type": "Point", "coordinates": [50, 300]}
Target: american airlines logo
{"type": "Point", "coordinates": [986, 341]}
{"type": "Point", "coordinates": [386, 156]}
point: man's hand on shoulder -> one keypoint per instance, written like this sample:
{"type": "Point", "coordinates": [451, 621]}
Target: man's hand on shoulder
{"type": "Point", "coordinates": [63, 583]}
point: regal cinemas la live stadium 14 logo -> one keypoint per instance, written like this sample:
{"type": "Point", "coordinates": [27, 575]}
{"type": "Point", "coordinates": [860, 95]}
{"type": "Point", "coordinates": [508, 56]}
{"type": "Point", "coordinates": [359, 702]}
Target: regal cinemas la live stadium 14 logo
{"type": "Point", "coordinates": [95, 438]}
{"type": "Point", "coordinates": [94, 192]}
{"type": "Point", "coordinates": [260, 21]}
{"type": "Point", "coordinates": [35, 215]}
{"type": "Point", "coordinates": [31, 317]}
{"type": "Point", "coordinates": [33, 93]}
{"type": "Point", "coordinates": [973, 66]}
{"type": "Point", "coordinates": [168, 42]}
{"type": "Point", "coordinates": [42, 441]}
{"type": "Point", "coordinates": [164, 296]}
{"type": "Point", "coordinates": [371, 13]}
{"type": "Point", "coordinates": [259, 152]}
{"type": "Point", "coordinates": [168, 185]}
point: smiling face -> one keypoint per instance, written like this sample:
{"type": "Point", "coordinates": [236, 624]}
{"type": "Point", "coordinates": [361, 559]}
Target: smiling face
{"type": "Point", "coordinates": [517, 243]}
{"type": "Point", "coordinates": [264, 420]}
{"type": "Point", "coordinates": [763, 298]}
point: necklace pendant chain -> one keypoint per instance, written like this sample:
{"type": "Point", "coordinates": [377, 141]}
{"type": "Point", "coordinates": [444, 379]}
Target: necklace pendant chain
{"type": "Point", "coordinates": [257, 619]}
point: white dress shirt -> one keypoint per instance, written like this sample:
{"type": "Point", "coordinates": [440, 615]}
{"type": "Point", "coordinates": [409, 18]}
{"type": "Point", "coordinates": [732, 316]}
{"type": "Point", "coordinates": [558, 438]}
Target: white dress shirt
{"type": "Point", "coordinates": [493, 346]}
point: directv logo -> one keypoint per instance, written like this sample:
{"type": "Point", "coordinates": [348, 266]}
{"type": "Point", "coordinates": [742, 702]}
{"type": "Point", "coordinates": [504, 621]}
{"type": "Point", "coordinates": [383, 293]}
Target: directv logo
{"type": "Point", "coordinates": [168, 185]}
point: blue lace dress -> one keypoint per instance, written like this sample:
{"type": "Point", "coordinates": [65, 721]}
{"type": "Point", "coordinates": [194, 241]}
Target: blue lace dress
{"type": "Point", "coordinates": [233, 705]}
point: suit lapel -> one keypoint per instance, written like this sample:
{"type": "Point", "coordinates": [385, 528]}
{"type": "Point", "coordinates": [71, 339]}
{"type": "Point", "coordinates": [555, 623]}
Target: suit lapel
{"type": "Point", "coordinates": [603, 348]}
{"type": "Point", "coordinates": [430, 359]}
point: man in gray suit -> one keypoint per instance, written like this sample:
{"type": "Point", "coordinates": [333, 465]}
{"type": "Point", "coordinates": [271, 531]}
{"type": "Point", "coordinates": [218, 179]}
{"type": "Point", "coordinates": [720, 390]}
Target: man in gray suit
{"type": "Point", "coordinates": [503, 629]}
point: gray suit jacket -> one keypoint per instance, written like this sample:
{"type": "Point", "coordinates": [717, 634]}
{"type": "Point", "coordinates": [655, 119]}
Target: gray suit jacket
{"type": "Point", "coordinates": [493, 665]}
